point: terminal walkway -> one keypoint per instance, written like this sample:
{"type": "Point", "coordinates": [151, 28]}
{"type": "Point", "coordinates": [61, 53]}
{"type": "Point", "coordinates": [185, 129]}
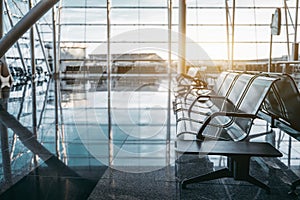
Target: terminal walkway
{"type": "Point", "coordinates": [130, 156]}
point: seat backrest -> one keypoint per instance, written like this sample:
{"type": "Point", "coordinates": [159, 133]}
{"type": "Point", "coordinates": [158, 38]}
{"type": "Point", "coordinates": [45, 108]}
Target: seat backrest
{"type": "Point", "coordinates": [219, 81]}
{"type": "Point", "coordinates": [227, 83]}
{"type": "Point", "coordinates": [235, 94]}
{"type": "Point", "coordinates": [245, 96]}
{"type": "Point", "coordinates": [256, 94]}
{"type": "Point", "coordinates": [284, 101]}
{"type": "Point", "coordinates": [192, 71]}
{"type": "Point", "coordinates": [250, 103]}
{"type": "Point", "coordinates": [239, 87]}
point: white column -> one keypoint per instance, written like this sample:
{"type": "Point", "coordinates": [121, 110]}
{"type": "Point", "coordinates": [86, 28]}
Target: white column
{"type": "Point", "coordinates": [181, 68]}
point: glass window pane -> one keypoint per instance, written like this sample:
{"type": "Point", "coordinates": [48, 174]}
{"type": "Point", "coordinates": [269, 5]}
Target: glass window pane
{"type": "Point", "coordinates": [135, 3]}
{"type": "Point", "coordinates": [83, 33]}
{"type": "Point", "coordinates": [84, 2]}
{"type": "Point", "coordinates": [90, 16]}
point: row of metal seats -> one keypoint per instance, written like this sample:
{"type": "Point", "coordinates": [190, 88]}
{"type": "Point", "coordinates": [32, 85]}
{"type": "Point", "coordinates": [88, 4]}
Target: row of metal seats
{"type": "Point", "coordinates": [227, 110]}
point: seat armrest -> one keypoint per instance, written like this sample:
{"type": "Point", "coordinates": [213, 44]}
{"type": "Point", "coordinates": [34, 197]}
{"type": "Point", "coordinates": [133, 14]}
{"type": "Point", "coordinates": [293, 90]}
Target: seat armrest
{"type": "Point", "coordinates": [228, 114]}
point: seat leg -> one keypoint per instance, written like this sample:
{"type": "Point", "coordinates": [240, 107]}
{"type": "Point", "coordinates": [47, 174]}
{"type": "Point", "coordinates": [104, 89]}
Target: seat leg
{"type": "Point", "coordinates": [222, 173]}
{"type": "Point", "coordinates": [295, 184]}
{"type": "Point", "coordinates": [258, 183]}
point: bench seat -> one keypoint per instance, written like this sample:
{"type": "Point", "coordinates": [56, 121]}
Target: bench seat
{"type": "Point", "coordinates": [238, 154]}
{"type": "Point", "coordinates": [232, 119]}
{"type": "Point", "coordinates": [282, 108]}
{"type": "Point", "coordinates": [187, 81]}
{"type": "Point", "coordinates": [220, 88]}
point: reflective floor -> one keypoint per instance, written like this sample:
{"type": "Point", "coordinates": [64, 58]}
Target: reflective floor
{"type": "Point", "coordinates": [118, 145]}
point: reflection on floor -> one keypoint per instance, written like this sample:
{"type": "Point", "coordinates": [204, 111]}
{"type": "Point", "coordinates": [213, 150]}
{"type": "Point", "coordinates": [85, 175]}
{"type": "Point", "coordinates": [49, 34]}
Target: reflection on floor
{"type": "Point", "coordinates": [122, 152]}
{"type": "Point", "coordinates": [43, 183]}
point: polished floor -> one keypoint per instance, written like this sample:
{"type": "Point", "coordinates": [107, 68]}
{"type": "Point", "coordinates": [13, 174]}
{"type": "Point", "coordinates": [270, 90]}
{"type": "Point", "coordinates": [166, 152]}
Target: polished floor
{"type": "Point", "coordinates": [119, 145]}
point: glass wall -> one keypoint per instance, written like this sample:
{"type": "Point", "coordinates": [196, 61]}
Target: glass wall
{"type": "Point", "coordinates": [206, 26]}
{"type": "Point", "coordinates": [82, 35]}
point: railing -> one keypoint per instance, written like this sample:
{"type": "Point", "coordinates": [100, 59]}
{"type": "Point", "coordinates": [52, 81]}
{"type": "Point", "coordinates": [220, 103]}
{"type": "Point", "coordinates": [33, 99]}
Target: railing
{"type": "Point", "coordinates": [285, 67]}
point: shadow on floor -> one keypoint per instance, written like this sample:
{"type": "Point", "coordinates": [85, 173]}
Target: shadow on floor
{"type": "Point", "coordinates": [44, 183]}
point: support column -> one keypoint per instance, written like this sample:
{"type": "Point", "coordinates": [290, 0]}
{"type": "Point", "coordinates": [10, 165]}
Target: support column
{"type": "Point", "coordinates": [6, 165]}
{"type": "Point", "coordinates": [1, 18]}
{"type": "Point", "coordinates": [287, 29]}
{"type": "Point", "coordinates": [232, 34]}
{"type": "Point", "coordinates": [55, 64]}
{"type": "Point", "coordinates": [32, 55]}
{"type": "Point", "coordinates": [227, 31]}
{"type": "Point", "coordinates": [5, 150]}
{"type": "Point", "coordinates": [108, 70]}
{"type": "Point", "coordinates": [170, 7]}
{"type": "Point", "coordinates": [5, 77]}
{"type": "Point", "coordinates": [181, 68]}
{"type": "Point", "coordinates": [296, 44]}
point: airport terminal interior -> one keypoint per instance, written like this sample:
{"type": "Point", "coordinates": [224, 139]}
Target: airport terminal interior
{"type": "Point", "coordinates": [149, 99]}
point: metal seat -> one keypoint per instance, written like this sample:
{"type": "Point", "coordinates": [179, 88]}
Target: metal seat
{"type": "Point", "coordinates": [238, 159]}
{"type": "Point", "coordinates": [234, 118]}
{"type": "Point", "coordinates": [223, 84]}
{"type": "Point", "coordinates": [282, 109]}
{"type": "Point", "coordinates": [192, 79]}
{"type": "Point", "coordinates": [283, 105]}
